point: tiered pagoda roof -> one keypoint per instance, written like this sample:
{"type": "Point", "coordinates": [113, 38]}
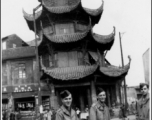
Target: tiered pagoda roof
{"type": "Point", "coordinates": [80, 21]}
{"type": "Point", "coordinates": [72, 9]}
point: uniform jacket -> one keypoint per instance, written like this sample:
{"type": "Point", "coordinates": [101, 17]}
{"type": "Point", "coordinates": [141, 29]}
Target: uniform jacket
{"type": "Point", "coordinates": [64, 114]}
{"type": "Point", "coordinates": [99, 111]}
{"type": "Point", "coordinates": [143, 108]}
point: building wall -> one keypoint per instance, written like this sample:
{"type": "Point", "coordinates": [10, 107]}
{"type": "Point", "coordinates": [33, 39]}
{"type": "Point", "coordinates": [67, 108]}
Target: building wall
{"type": "Point", "coordinates": [14, 75]}
{"type": "Point", "coordinates": [13, 41]}
{"type": "Point", "coordinates": [131, 94]}
{"type": "Point", "coordinates": [4, 74]}
{"type": "Point", "coordinates": [146, 65]}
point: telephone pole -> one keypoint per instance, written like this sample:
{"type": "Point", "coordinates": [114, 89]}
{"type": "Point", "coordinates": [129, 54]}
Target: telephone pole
{"type": "Point", "coordinates": [125, 92]}
{"type": "Point", "coordinates": [38, 100]}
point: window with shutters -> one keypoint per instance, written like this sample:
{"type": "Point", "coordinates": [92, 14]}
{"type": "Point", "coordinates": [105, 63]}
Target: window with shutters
{"type": "Point", "coordinates": [4, 45]}
{"type": "Point", "coordinates": [18, 73]}
{"type": "Point", "coordinates": [22, 71]}
{"type": "Point", "coordinates": [47, 60]}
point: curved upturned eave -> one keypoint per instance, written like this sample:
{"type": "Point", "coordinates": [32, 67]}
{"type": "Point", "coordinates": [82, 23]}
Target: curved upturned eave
{"type": "Point", "coordinates": [104, 39]}
{"type": "Point", "coordinates": [70, 73]}
{"type": "Point", "coordinates": [66, 38]}
{"type": "Point", "coordinates": [30, 17]}
{"type": "Point", "coordinates": [113, 71]}
{"type": "Point", "coordinates": [60, 9]}
{"type": "Point", "coordinates": [94, 12]}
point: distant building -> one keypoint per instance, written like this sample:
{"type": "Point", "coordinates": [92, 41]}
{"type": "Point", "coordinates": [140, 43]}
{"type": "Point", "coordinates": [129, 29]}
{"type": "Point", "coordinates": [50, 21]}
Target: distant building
{"type": "Point", "coordinates": [12, 41]}
{"type": "Point", "coordinates": [18, 74]}
{"type": "Point", "coordinates": [133, 93]}
{"type": "Point", "coordinates": [146, 65]}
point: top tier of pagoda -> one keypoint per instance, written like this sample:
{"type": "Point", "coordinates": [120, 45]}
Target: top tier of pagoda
{"type": "Point", "coordinates": [66, 21]}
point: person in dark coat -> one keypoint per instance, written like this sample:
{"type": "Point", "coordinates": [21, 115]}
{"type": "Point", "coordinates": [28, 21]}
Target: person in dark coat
{"type": "Point", "coordinates": [18, 116]}
{"type": "Point", "coordinates": [122, 111]}
{"type": "Point", "coordinates": [12, 116]}
{"type": "Point", "coordinates": [4, 115]}
{"type": "Point", "coordinates": [143, 104]}
{"type": "Point", "coordinates": [99, 110]}
{"type": "Point", "coordinates": [65, 112]}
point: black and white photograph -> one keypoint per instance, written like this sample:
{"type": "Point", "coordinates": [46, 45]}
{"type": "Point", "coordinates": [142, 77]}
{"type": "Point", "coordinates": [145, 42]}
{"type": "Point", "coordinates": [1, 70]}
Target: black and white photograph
{"type": "Point", "coordinates": [76, 59]}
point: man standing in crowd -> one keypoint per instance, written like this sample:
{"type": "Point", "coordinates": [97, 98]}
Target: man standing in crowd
{"type": "Point", "coordinates": [65, 112]}
{"type": "Point", "coordinates": [99, 110]}
{"type": "Point", "coordinates": [143, 103]}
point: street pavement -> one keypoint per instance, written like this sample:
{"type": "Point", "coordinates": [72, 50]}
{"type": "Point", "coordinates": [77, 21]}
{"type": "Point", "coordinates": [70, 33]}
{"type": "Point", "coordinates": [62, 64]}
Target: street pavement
{"type": "Point", "coordinates": [130, 117]}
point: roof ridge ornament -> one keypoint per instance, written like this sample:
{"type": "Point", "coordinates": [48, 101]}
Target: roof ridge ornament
{"type": "Point", "coordinates": [129, 58]}
{"type": "Point", "coordinates": [30, 17]}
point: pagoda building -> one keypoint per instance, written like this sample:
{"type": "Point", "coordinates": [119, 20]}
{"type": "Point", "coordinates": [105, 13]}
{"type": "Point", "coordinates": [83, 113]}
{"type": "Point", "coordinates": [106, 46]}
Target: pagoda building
{"type": "Point", "coordinates": [72, 56]}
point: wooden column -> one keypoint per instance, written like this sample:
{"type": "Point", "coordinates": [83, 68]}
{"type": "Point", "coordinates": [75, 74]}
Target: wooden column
{"type": "Point", "coordinates": [89, 97]}
{"type": "Point", "coordinates": [93, 92]}
{"type": "Point", "coordinates": [117, 94]}
{"type": "Point", "coordinates": [9, 75]}
{"type": "Point", "coordinates": [10, 101]}
{"type": "Point", "coordinates": [108, 98]}
{"type": "Point", "coordinates": [120, 96]}
{"type": "Point", "coordinates": [58, 97]}
{"type": "Point", "coordinates": [81, 98]}
{"type": "Point", "coordinates": [53, 98]}
{"type": "Point", "coordinates": [101, 58]}
{"type": "Point", "coordinates": [113, 96]}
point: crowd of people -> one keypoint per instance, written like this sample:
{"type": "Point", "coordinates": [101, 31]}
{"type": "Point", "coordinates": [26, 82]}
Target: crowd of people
{"type": "Point", "coordinates": [97, 111]}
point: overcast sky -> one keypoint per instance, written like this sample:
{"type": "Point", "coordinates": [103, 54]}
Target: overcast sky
{"type": "Point", "coordinates": [131, 17]}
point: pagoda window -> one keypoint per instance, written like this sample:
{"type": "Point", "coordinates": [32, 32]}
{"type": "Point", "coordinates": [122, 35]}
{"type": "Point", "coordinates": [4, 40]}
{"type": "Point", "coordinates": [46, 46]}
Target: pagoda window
{"type": "Point", "coordinates": [62, 59]}
{"type": "Point", "coordinates": [71, 59]}
{"type": "Point", "coordinates": [48, 30]}
{"type": "Point", "coordinates": [64, 28]}
{"type": "Point", "coordinates": [81, 27]}
{"type": "Point", "coordinates": [47, 60]}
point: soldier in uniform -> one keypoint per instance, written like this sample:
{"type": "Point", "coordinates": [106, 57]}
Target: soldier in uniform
{"type": "Point", "coordinates": [99, 110]}
{"type": "Point", "coordinates": [65, 112]}
{"type": "Point", "coordinates": [143, 104]}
